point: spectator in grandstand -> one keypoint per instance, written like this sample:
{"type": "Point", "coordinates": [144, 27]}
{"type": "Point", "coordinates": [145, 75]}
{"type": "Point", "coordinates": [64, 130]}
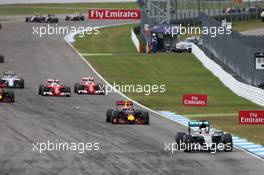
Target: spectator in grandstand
{"type": "Point", "coordinates": [154, 42]}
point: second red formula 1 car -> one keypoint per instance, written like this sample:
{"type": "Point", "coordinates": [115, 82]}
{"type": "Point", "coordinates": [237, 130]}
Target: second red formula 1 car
{"type": "Point", "coordinates": [126, 114]}
{"type": "Point", "coordinates": [88, 86]}
{"type": "Point", "coordinates": [7, 96]}
{"type": "Point", "coordinates": [54, 88]}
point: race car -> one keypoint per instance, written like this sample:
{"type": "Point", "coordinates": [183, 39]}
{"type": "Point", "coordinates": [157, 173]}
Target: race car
{"type": "Point", "coordinates": [201, 137]}
{"type": "Point", "coordinates": [126, 114]}
{"type": "Point", "coordinates": [41, 19]}
{"type": "Point", "coordinates": [183, 46]}
{"type": "Point", "coordinates": [2, 59]}
{"type": "Point", "coordinates": [9, 79]}
{"type": "Point", "coordinates": [231, 10]}
{"type": "Point", "coordinates": [7, 96]}
{"type": "Point", "coordinates": [52, 19]}
{"type": "Point", "coordinates": [75, 17]}
{"type": "Point", "coordinates": [36, 18]}
{"type": "Point", "coordinates": [88, 86]}
{"type": "Point", "coordinates": [54, 88]}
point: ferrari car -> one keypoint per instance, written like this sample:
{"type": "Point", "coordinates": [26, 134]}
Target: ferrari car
{"type": "Point", "coordinates": [126, 114]}
{"type": "Point", "coordinates": [75, 17]}
{"type": "Point", "coordinates": [36, 18]}
{"type": "Point", "coordinates": [88, 86]}
{"type": "Point", "coordinates": [2, 59]}
{"type": "Point", "coordinates": [7, 96]}
{"type": "Point", "coordinates": [200, 135]}
{"type": "Point", "coordinates": [54, 88]}
{"type": "Point", "coordinates": [9, 79]}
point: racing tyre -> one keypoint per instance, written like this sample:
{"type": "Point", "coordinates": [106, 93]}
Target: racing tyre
{"type": "Point", "coordinates": [228, 141]}
{"type": "Point", "coordinates": [77, 87]}
{"type": "Point", "coordinates": [68, 90]}
{"type": "Point", "coordinates": [56, 20]}
{"type": "Point", "coordinates": [188, 140]}
{"type": "Point", "coordinates": [41, 88]}
{"type": "Point", "coordinates": [1, 58]}
{"type": "Point", "coordinates": [21, 83]}
{"type": "Point", "coordinates": [114, 119]}
{"type": "Point", "coordinates": [179, 139]}
{"type": "Point", "coordinates": [82, 18]}
{"type": "Point", "coordinates": [109, 115]}
{"type": "Point", "coordinates": [27, 19]}
{"type": "Point", "coordinates": [146, 118]}
{"type": "Point", "coordinates": [11, 96]}
{"type": "Point", "coordinates": [67, 18]}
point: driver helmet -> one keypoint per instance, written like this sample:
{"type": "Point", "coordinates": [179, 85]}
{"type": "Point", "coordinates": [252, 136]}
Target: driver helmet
{"type": "Point", "coordinates": [203, 127]}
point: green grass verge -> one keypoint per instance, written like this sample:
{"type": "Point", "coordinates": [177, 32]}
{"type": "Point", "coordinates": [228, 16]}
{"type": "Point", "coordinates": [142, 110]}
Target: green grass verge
{"type": "Point", "coordinates": [247, 25]}
{"type": "Point", "coordinates": [69, 8]}
{"type": "Point", "coordinates": [181, 73]}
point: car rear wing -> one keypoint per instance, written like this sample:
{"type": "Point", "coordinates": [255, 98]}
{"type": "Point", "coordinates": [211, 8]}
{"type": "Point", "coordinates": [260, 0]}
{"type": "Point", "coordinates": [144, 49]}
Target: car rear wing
{"type": "Point", "coordinates": [194, 125]}
{"type": "Point", "coordinates": [124, 102]}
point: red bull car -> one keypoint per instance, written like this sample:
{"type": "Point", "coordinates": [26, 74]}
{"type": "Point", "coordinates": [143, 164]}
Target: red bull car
{"type": "Point", "coordinates": [88, 86]}
{"type": "Point", "coordinates": [54, 88]}
{"type": "Point", "coordinates": [126, 114]}
{"type": "Point", "coordinates": [7, 96]}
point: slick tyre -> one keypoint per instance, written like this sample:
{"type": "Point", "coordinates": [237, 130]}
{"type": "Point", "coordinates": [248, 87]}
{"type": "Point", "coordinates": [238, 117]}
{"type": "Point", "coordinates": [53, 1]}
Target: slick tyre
{"type": "Point", "coordinates": [41, 89]}
{"type": "Point", "coordinates": [179, 139]}
{"type": "Point", "coordinates": [227, 140]}
{"type": "Point", "coordinates": [11, 96]}
{"type": "Point", "coordinates": [146, 118]}
{"type": "Point", "coordinates": [22, 84]}
{"type": "Point", "coordinates": [2, 59]}
{"type": "Point", "coordinates": [68, 90]}
{"type": "Point", "coordinates": [109, 113]}
{"type": "Point", "coordinates": [188, 140]}
{"type": "Point", "coordinates": [114, 119]}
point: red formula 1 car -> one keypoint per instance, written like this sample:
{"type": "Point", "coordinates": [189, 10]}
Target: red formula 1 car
{"type": "Point", "coordinates": [88, 86]}
{"type": "Point", "coordinates": [54, 88]}
{"type": "Point", "coordinates": [126, 114]}
{"type": "Point", "coordinates": [7, 96]}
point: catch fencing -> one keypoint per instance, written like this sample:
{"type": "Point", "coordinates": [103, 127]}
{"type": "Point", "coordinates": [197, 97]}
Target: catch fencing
{"type": "Point", "coordinates": [234, 52]}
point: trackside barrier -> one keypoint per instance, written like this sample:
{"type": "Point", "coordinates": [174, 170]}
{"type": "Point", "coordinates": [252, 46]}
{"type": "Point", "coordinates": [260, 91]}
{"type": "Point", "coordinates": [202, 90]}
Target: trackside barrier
{"type": "Point", "coordinates": [135, 40]}
{"type": "Point", "coordinates": [251, 93]}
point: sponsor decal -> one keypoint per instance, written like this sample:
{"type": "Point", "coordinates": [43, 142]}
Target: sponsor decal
{"type": "Point", "coordinates": [251, 117]}
{"type": "Point", "coordinates": [113, 14]}
{"type": "Point", "coordinates": [194, 100]}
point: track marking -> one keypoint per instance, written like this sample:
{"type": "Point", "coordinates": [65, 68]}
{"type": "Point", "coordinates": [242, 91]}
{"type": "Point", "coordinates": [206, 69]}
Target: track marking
{"type": "Point", "coordinates": [96, 54]}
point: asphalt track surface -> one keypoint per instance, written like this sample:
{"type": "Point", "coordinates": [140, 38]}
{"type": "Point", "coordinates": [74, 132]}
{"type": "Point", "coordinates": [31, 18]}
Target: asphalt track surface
{"type": "Point", "coordinates": [124, 149]}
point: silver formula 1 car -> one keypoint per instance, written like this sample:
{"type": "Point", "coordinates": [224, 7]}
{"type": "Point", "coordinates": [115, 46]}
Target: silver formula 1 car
{"type": "Point", "coordinates": [202, 137]}
{"type": "Point", "coordinates": [9, 79]}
